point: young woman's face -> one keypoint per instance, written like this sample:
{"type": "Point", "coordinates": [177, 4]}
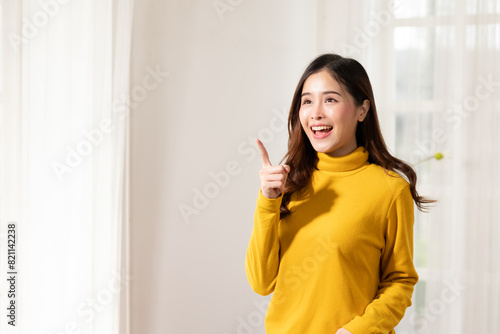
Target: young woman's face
{"type": "Point", "coordinates": [329, 115]}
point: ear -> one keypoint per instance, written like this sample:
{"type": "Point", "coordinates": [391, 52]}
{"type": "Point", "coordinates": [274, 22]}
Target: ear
{"type": "Point", "coordinates": [363, 110]}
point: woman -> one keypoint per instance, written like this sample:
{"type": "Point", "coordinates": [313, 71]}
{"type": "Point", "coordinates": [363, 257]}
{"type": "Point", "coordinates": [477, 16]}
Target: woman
{"type": "Point", "coordinates": [333, 229]}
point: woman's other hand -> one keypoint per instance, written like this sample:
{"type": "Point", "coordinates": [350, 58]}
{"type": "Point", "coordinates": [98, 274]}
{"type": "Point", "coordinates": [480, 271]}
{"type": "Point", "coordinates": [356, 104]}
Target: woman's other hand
{"type": "Point", "coordinates": [343, 331]}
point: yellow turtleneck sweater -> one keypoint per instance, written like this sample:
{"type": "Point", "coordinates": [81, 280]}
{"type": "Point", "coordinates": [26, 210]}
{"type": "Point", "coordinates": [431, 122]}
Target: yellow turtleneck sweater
{"type": "Point", "coordinates": [343, 258]}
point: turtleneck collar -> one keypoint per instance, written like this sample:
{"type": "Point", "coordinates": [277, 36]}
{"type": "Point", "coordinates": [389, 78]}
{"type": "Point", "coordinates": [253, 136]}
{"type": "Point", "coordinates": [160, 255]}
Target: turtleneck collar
{"type": "Point", "coordinates": [354, 160]}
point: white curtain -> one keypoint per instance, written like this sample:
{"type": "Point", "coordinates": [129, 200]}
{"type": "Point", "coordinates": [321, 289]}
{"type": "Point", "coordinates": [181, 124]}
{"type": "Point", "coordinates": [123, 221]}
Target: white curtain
{"type": "Point", "coordinates": [435, 70]}
{"type": "Point", "coordinates": [64, 164]}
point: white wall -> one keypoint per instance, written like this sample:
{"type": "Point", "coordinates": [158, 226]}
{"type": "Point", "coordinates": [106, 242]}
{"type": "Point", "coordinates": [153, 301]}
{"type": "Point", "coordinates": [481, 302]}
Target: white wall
{"type": "Point", "coordinates": [227, 80]}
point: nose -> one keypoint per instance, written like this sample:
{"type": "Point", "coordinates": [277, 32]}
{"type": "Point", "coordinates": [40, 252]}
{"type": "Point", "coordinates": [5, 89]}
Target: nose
{"type": "Point", "coordinates": [317, 112]}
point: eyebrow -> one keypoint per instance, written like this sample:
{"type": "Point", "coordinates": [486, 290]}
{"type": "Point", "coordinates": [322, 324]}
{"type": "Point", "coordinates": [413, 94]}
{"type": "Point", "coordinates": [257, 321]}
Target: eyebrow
{"type": "Point", "coordinates": [324, 93]}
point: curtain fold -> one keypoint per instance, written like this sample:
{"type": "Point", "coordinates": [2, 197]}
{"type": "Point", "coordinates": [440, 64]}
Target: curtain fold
{"type": "Point", "coordinates": [64, 163]}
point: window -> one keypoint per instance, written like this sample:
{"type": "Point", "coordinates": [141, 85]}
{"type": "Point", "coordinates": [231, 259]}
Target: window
{"type": "Point", "coordinates": [427, 37]}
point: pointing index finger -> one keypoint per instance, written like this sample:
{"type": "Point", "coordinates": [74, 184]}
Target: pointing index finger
{"type": "Point", "coordinates": [263, 154]}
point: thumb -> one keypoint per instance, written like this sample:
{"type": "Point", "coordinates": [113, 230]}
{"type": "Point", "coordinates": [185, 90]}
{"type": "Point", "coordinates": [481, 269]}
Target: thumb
{"type": "Point", "coordinates": [263, 154]}
{"type": "Point", "coordinates": [287, 168]}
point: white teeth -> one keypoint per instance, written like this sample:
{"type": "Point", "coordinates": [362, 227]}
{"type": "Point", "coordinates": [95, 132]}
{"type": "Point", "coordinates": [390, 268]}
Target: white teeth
{"type": "Point", "coordinates": [319, 128]}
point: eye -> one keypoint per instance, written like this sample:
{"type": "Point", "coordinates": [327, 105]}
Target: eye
{"type": "Point", "coordinates": [330, 99]}
{"type": "Point", "coordinates": [306, 101]}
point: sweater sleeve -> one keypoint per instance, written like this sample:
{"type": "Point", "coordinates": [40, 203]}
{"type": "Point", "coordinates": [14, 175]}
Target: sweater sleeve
{"type": "Point", "coordinates": [397, 272]}
{"type": "Point", "coordinates": [262, 258]}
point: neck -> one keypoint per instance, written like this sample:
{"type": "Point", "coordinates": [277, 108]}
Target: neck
{"type": "Point", "coordinates": [344, 150]}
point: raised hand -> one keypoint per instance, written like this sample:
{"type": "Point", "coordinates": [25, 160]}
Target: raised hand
{"type": "Point", "coordinates": [272, 178]}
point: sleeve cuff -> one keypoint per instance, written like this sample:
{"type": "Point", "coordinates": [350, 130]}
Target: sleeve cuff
{"type": "Point", "coordinates": [269, 204]}
{"type": "Point", "coordinates": [357, 326]}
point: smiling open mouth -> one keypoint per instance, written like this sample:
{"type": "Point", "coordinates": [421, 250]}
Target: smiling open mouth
{"type": "Point", "coordinates": [321, 130]}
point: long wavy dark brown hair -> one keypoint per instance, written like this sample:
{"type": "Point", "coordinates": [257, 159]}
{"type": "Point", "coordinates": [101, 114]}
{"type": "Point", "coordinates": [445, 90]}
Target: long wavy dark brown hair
{"type": "Point", "coordinates": [301, 156]}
